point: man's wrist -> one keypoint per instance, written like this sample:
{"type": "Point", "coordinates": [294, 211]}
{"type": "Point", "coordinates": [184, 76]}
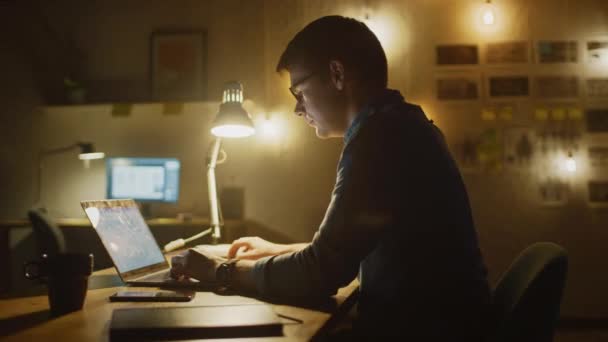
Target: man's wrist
{"type": "Point", "coordinates": [225, 273]}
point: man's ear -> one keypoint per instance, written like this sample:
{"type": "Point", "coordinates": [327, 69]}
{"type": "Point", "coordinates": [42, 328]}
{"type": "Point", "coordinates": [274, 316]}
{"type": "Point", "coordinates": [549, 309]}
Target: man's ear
{"type": "Point", "coordinates": [336, 74]}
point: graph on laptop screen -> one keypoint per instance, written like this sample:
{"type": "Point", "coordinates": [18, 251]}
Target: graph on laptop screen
{"type": "Point", "coordinates": [143, 179]}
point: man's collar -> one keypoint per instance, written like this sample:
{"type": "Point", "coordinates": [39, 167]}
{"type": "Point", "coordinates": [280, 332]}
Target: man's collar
{"type": "Point", "coordinates": [384, 100]}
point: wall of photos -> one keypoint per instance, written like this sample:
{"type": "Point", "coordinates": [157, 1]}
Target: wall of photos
{"type": "Point", "coordinates": [567, 122]}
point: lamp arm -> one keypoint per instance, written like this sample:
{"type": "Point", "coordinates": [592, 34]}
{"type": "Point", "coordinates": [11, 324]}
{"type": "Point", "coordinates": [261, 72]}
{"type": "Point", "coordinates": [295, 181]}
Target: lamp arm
{"type": "Point", "coordinates": [58, 150]}
{"type": "Point", "coordinates": [215, 212]}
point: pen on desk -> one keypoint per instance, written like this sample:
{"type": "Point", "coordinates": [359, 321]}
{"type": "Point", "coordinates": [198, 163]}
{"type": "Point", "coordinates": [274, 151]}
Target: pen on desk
{"type": "Point", "coordinates": [290, 318]}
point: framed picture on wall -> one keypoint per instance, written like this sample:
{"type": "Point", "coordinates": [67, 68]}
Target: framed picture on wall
{"type": "Point", "coordinates": [178, 65]}
{"type": "Point", "coordinates": [457, 87]}
{"type": "Point", "coordinates": [506, 85]}
{"type": "Point", "coordinates": [553, 192]}
{"type": "Point", "coordinates": [597, 88]}
{"type": "Point", "coordinates": [508, 52]}
{"type": "Point", "coordinates": [556, 87]}
{"type": "Point", "coordinates": [598, 193]}
{"type": "Point", "coordinates": [557, 51]}
{"type": "Point", "coordinates": [597, 51]}
{"type": "Point", "coordinates": [457, 54]}
{"type": "Point", "coordinates": [597, 120]}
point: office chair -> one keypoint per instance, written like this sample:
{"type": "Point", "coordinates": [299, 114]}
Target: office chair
{"type": "Point", "coordinates": [527, 299]}
{"type": "Point", "coordinates": [49, 238]}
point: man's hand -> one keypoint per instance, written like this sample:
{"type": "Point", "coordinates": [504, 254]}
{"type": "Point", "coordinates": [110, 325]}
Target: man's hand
{"type": "Point", "coordinates": [253, 248]}
{"type": "Point", "coordinates": [195, 263]}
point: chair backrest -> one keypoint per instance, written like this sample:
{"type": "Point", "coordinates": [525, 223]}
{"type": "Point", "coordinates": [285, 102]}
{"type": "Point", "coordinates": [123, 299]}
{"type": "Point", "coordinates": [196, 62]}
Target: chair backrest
{"type": "Point", "coordinates": [49, 238]}
{"type": "Point", "coordinates": [528, 296]}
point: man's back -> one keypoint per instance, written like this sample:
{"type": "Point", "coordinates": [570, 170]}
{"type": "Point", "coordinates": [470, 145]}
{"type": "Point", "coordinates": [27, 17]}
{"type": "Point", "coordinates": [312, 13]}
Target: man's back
{"type": "Point", "coordinates": [400, 218]}
{"type": "Point", "coordinates": [425, 275]}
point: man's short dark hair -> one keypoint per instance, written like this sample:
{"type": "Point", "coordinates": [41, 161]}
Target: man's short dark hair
{"type": "Point", "coordinates": [338, 38]}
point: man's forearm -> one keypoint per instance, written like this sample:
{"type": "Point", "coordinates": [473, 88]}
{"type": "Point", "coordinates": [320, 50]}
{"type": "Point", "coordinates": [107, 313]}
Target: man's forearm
{"type": "Point", "coordinates": [294, 247]}
{"type": "Point", "coordinates": [243, 278]}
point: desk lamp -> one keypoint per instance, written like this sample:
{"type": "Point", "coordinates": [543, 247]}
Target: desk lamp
{"type": "Point", "coordinates": [87, 153]}
{"type": "Point", "coordinates": [232, 121]}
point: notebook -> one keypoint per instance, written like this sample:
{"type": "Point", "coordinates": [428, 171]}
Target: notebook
{"type": "Point", "coordinates": [164, 323]}
{"type": "Point", "coordinates": [129, 242]}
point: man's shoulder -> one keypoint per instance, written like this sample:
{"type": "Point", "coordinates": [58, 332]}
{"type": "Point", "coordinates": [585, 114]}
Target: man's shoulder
{"type": "Point", "coordinates": [398, 118]}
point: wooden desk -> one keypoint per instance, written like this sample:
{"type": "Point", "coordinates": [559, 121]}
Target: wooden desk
{"type": "Point", "coordinates": [92, 322]}
{"type": "Point", "coordinates": [164, 230]}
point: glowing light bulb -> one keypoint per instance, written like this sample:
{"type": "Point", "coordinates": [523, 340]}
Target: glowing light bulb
{"type": "Point", "coordinates": [270, 129]}
{"type": "Point", "coordinates": [570, 164]}
{"type": "Point", "coordinates": [488, 17]}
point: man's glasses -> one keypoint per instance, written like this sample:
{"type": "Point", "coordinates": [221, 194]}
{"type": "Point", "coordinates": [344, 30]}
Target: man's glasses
{"type": "Point", "coordinates": [298, 93]}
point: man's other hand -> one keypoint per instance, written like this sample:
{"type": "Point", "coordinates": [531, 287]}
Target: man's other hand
{"type": "Point", "coordinates": [253, 248]}
{"type": "Point", "coordinates": [195, 263]}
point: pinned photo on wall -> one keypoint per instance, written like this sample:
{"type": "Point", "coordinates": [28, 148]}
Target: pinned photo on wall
{"type": "Point", "coordinates": [556, 87]}
{"type": "Point", "coordinates": [519, 145]}
{"type": "Point", "coordinates": [597, 88]}
{"type": "Point", "coordinates": [553, 192]}
{"type": "Point", "coordinates": [457, 88]}
{"type": "Point", "coordinates": [597, 120]}
{"type": "Point", "coordinates": [457, 54]}
{"type": "Point", "coordinates": [506, 86]}
{"type": "Point", "coordinates": [597, 193]}
{"type": "Point", "coordinates": [489, 150]}
{"type": "Point", "coordinates": [557, 51]}
{"type": "Point", "coordinates": [597, 51]}
{"type": "Point", "coordinates": [467, 154]}
{"type": "Point", "coordinates": [516, 52]}
{"type": "Point", "coordinates": [598, 157]}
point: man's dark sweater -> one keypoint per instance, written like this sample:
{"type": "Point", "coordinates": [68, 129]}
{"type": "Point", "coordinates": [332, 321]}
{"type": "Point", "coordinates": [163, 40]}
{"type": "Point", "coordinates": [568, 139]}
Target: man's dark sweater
{"type": "Point", "coordinates": [399, 217]}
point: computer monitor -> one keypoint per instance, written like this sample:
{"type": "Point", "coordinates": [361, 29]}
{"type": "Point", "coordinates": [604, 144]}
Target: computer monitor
{"type": "Point", "coordinates": [143, 179]}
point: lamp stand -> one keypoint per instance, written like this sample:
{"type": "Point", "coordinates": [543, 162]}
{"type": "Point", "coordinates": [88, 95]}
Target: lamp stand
{"type": "Point", "coordinates": [215, 212]}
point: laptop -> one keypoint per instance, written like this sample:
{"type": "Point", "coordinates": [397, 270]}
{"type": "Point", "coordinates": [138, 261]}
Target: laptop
{"type": "Point", "coordinates": [130, 243]}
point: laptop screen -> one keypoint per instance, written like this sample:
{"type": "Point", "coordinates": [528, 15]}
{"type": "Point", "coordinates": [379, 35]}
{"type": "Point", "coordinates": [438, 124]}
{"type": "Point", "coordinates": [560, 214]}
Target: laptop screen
{"type": "Point", "coordinates": [124, 234]}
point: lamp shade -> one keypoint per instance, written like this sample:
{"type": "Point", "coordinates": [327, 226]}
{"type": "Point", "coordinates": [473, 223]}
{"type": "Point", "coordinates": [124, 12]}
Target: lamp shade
{"type": "Point", "coordinates": [232, 120]}
{"type": "Point", "coordinates": [87, 151]}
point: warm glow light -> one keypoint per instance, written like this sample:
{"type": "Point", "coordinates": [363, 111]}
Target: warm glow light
{"type": "Point", "coordinates": [232, 131]}
{"type": "Point", "coordinates": [570, 164]}
{"type": "Point", "coordinates": [387, 24]}
{"type": "Point", "coordinates": [91, 156]}
{"type": "Point", "coordinates": [270, 129]}
{"type": "Point", "coordinates": [488, 17]}
{"type": "Point", "coordinates": [383, 30]}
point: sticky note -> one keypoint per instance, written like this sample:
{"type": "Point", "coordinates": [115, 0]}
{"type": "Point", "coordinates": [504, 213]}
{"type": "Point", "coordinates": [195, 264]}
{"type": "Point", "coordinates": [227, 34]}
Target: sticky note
{"type": "Point", "coordinates": [558, 114]}
{"type": "Point", "coordinates": [575, 113]}
{"type": "Point", "coordinates": [121, 109]}
{"type": "Point", "coordinates": [506, 113]}
{"type": "Point", "coordinates": [488, 115]}
{"type": "Point", "coordinates": [541, 114]}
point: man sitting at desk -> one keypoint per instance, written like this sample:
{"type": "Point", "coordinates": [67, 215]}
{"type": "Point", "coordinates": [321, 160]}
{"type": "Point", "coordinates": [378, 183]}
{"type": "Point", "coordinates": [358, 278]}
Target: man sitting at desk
{"type": "Point", "coordinates": [399, 215]}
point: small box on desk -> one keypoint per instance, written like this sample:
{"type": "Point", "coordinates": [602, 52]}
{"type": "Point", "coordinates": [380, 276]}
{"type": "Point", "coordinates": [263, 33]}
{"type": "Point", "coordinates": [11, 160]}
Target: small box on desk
{"type": "Point", "coordinates": [235, 321]}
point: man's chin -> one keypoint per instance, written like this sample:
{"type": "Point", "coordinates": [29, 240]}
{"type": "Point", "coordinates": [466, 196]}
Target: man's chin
{"type": "Point", "coordinates": [323, 134]}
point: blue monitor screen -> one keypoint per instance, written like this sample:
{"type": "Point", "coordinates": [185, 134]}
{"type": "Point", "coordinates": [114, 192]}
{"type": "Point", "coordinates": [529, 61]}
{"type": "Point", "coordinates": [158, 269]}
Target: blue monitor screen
{"type": "Point", "coordinates": [143, 179]}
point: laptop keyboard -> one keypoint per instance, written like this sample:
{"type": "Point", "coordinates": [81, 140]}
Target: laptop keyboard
{"type": "Point", "coordinates": [157, 277]}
